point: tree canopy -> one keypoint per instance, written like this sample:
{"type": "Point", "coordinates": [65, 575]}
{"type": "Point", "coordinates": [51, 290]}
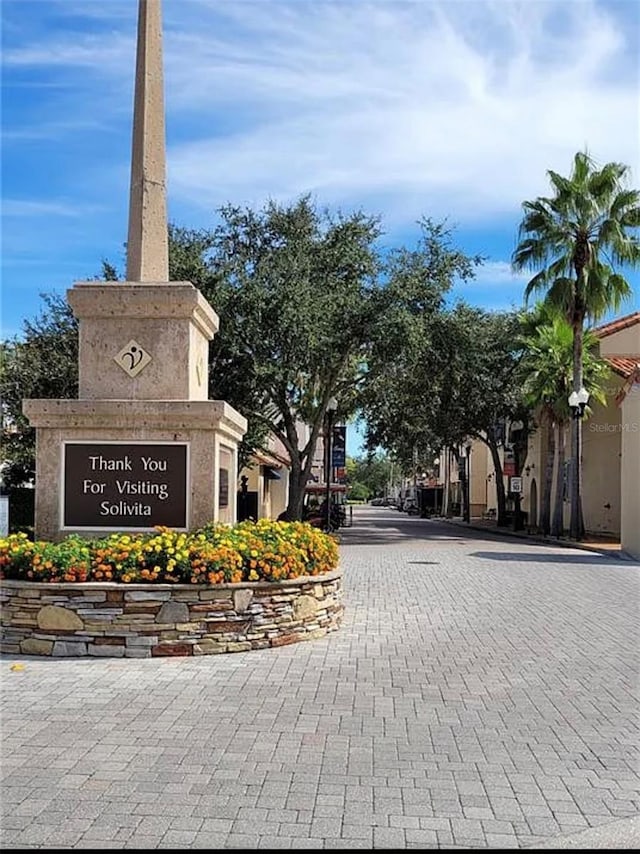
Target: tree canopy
{"type": "Point", "coordinates": [42, 363]}
{"type": "Point", "coordinates": [578, 240]}
{"type": "Point", "coordinates": [308, 303]}
{"type": "Point", "coordinates": [313, 307]}
{"type": "Point", "coordinates": [297, 292]}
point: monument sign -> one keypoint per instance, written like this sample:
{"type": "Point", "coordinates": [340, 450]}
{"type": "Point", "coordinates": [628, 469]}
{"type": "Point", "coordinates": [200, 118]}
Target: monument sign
{"type": "Point", "coordinates": [129, 485]}
{"type": "Point", "coordinates": [143, 445]}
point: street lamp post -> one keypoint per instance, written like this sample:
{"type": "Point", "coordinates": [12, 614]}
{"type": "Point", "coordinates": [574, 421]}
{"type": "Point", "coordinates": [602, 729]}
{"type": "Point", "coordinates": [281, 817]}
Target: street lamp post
{"type": "Point", "coordinates": [577, 403]}
{"type": "Point", "coordinates": [517, 435]}
{"type": "Point", "coordinates": [332, 405]}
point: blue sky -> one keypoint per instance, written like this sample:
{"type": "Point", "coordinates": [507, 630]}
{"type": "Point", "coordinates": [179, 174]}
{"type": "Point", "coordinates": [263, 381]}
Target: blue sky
{"type": "Point", "coordinates": [446, 109]}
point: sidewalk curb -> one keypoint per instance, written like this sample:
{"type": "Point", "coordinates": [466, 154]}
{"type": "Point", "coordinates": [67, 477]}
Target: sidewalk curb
{"type": "Point", "coordinates": [539, 539]}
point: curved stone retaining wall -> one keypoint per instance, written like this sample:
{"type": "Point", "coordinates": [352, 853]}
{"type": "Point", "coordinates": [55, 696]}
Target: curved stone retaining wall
{"type": "Point", "coordinates": [145, 620]}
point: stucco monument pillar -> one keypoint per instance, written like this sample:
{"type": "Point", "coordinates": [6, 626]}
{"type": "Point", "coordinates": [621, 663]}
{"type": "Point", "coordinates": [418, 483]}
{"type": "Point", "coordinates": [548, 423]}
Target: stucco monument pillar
{"type": "Point", "coordinates": [143, 445]}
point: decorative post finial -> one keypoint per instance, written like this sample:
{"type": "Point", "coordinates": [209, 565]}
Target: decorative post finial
{"type": "Point", "coordinates": [147, 244]}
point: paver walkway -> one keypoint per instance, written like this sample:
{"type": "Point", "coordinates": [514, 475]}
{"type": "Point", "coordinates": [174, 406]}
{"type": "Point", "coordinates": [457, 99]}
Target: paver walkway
{"type": "Point", "coordinates": [591, 542]}
{"type": "Point", "coordinates": [480, 694]}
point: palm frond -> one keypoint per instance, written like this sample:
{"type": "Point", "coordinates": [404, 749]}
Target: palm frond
{"type": "Point", "coordinates": [590, 217]}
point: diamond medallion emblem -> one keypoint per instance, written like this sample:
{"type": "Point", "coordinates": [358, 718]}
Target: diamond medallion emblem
{"type": "Point", "coordinates": [132, 358]}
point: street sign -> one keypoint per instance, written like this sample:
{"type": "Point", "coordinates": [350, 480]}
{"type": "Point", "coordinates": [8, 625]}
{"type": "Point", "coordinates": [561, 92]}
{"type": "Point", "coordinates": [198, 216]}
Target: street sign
{"type": "Point", "coordinates": [516, 484]}
{"type": "Point", "coordinates": [508, 462]}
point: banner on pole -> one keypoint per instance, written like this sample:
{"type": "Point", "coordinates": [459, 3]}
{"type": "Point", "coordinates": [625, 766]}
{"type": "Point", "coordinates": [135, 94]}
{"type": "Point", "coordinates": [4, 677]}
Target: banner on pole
{"type": "Point", "coordinates": [339, 446]}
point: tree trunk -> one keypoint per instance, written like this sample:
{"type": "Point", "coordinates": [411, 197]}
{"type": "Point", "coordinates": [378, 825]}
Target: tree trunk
{"type": "Point", "coordinates": [446, 492]}
{"type": "Point", "coordinates": [299, 475]}
{"type": "Point", "coordinates": [576, 526]}
{"type": "Point", "coordinates": [545, 498]}
{"type": "Point", "coordinates": [464, 483]}
{"type": "Point", "coordinates": [455, 458]}
{"type": "Point", "coordinates": [501, 497]}
{"type": "Point", "coordinates": [301, 459]}
{"type": "Point", "coordinates": [297, 487]}
{"type": "Point", "coordinates": [557, 524]}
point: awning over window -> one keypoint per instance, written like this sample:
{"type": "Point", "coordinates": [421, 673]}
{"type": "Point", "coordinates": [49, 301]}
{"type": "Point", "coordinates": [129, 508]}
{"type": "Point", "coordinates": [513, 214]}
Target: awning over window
{"type": "Point", "coordinates": [270, 473]}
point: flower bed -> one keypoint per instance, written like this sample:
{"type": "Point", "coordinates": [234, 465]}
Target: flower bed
{"type": "Point", "coordinates": [262, 551]}
{"type": "Point", "coordinates": [219, 589]}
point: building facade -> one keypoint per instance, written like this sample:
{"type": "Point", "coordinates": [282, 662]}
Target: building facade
{"type": "Point", "coordinates": [610, 451]}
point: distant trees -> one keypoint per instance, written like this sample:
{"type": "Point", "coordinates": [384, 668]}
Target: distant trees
{"type": "Point", "coordinates": [370, 475]}
{"type": "Point", "coordinates": [462, 379]}
{"type": "Point", "coordinates": [404, 397]}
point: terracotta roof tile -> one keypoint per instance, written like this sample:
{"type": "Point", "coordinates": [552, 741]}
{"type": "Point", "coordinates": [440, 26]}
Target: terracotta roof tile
{"type": "Point", "coordinates": [632, 379]}
{"type": "Point", "coordinates": [623, 365]}
{"type": "Point", "coordinates": [617, 325]}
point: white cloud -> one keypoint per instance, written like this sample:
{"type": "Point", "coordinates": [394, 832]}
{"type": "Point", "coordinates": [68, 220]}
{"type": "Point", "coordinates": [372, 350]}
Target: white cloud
{"type": "Point", "coordinates": [453, 108]}
{"type": "Point", "coordinates": [45, 207]}
{"type": "Point", "coordinates": [408, 104]}
{"type": "Point", "coordinates": [50, 130]}
{"type": "Point", "coordinates": [498, 274]}
{"type": "Point", "coordinates": [494, 286]}
{"type": "Point", "coordinates": [86, 51]}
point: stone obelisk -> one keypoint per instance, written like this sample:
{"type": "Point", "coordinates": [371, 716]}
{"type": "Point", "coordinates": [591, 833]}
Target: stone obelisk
{"type": "Point", "coordinates": [147, 245]}
{"type": "Point", "coordinates": [143, 445]}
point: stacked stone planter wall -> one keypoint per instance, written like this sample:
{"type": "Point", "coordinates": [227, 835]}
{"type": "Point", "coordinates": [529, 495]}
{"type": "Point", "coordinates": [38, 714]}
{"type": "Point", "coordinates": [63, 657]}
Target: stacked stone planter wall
{"type": "Point", "coordinates": [145, 620]}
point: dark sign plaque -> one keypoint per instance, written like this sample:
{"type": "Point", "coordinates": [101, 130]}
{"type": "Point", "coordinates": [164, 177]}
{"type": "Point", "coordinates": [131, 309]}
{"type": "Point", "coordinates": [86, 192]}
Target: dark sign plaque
{"type": "Point", "coordinates": [124, 485]}
{"type": "Point", "coordinates": [223, 489]}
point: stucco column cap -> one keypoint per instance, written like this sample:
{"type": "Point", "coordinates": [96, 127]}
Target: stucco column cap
{"type": "Point", "coordinates": [136, 415]}
{"type": "Point", "coordinates": [143, 300]}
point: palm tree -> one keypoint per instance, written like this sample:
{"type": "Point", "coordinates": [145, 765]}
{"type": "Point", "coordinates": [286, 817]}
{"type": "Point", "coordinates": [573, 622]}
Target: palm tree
{"type": "Point", "coordinates": [548, 363]}
{"type": "Point", "coordinates": [546, 386]}
{"type": "Point", "coordinates": [574, 239]}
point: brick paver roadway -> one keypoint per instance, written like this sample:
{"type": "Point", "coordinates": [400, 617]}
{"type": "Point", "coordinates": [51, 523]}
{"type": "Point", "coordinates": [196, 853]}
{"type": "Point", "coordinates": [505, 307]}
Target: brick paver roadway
{"type": "Point", "coordinates": [481, 693]}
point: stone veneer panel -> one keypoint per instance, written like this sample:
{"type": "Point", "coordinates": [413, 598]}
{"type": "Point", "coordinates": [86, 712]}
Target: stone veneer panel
{"type": "Point", "coordinates": [145, 620]}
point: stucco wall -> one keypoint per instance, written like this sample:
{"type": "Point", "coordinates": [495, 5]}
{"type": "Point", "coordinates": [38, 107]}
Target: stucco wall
{"type": "Point", "coordinates": [630, 474]}
{"type": "Point", "coordinates": [478, 486]}
{"type": "Point", "coordinates": [601, 458]}
{"type": "Point", "coordinates": [624, 342]}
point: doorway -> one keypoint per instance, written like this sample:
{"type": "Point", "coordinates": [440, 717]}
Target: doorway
{"type": "Point", "coordinates": [533, 505]}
